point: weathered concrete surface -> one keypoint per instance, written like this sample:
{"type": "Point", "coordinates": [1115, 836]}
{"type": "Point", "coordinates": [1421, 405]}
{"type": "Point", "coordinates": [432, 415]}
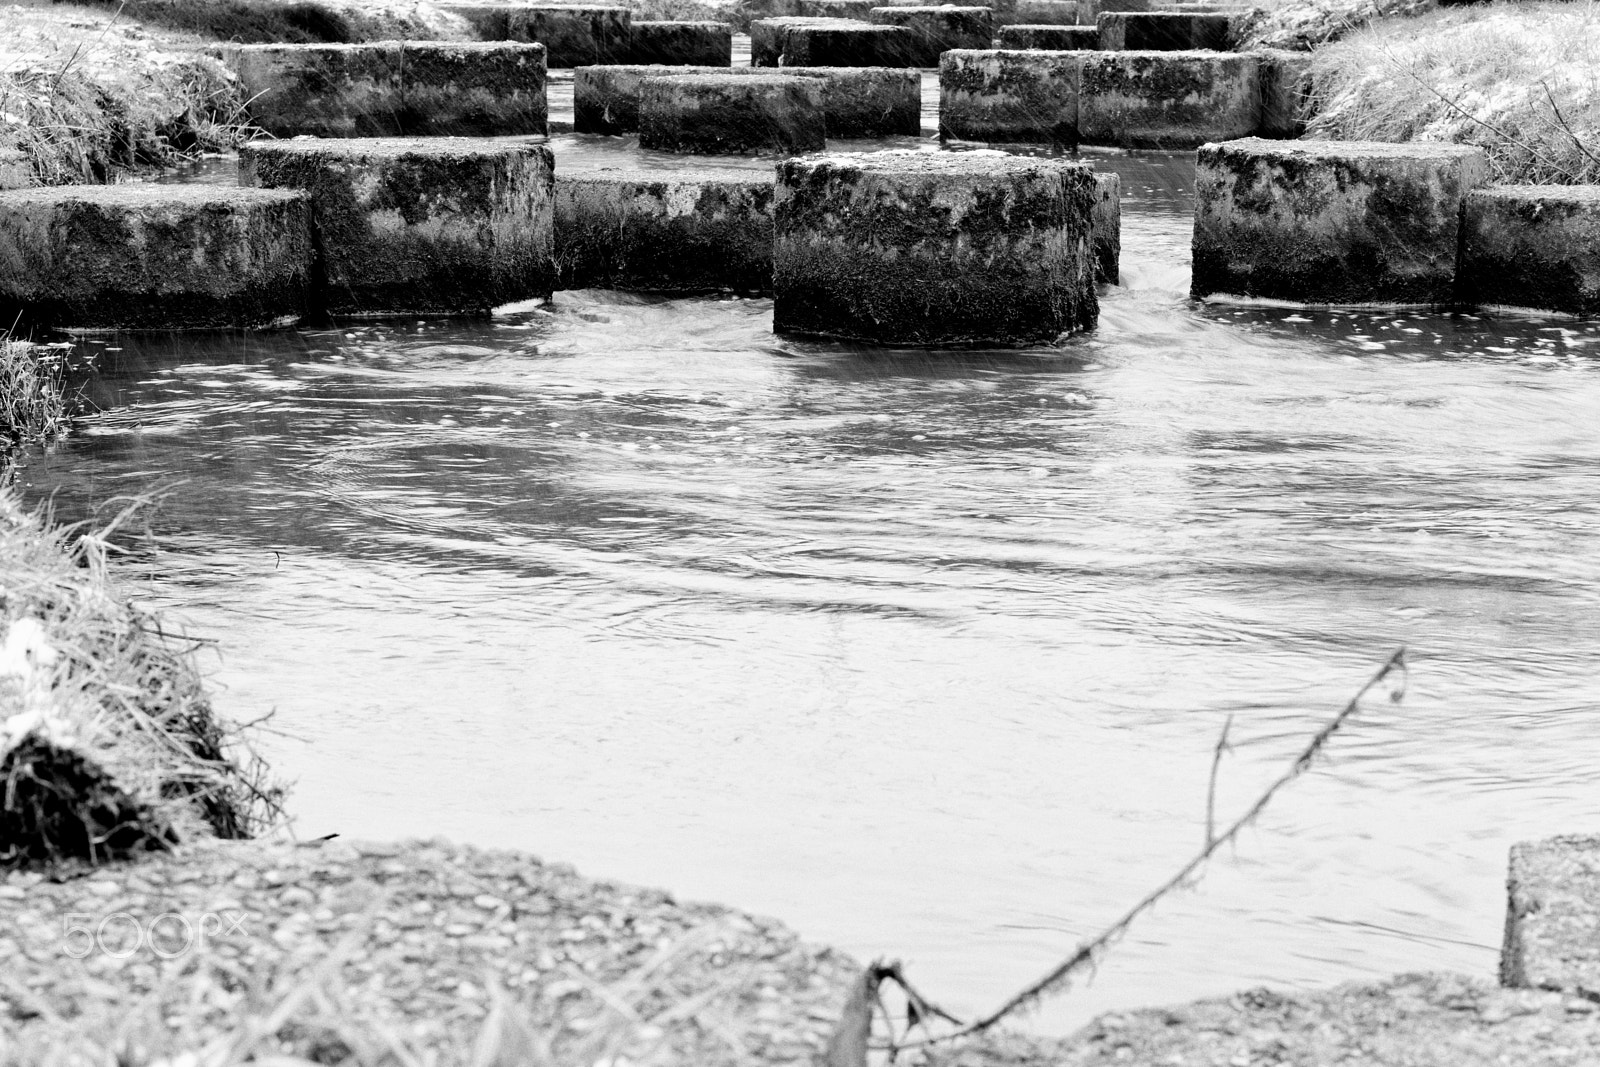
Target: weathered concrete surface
{"type": "Point", "coordinates": [855, 10]}
{"type": "Point", "coordinates": [1105, 228]}
{"type": "Point", "coordinates": [1533, 246]}
{"type": "Point", "coordinates": [573, 34]}
{"type": "Point", "coordinates": [428, 225]}
{"type": "Point", "coordinates": [710, 114]}
{"type": "Point", "coordinates": [16, 169]}
{"type": "Point", "coordinates": [393, 88]}
{"type": "Point", "coordinates": [938, 29]}
{"type": "Point", "coordinates": [1286, 100]}
{"type": "Point", "coordinates": [1050, 13]}
{"type": "Point", "coordinates": [1167, 99]}
{"type": "Point", "coordinates": [809, 42]}
{"type": "Point", "coordinates": [857, 101]}
{"type": "Point", "coordinates": [1002, 96]}
{"type": "Point", "coordinates": [689, 44]}
{"type": "Point", "coordinates": [628, 228]}
{"type": "Point", "coordinates": [923, 248]}
{"type": "Point", "coordinates": [1163, 31]}
{"type": "Point", "coordinates": [159, 257]}
{"type": "Point", "coordinates": [1049, 38]}
{"type": "Point", "coordinates": [1552, 936]}
{"type": "Point", "coordinates": [1331, 222]}
{"type": "Point", "coordinates": [1414, 1020]}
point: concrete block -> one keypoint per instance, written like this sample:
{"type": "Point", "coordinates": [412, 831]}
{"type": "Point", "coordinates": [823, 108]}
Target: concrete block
{"type": "Point", "coordinates": [392, 88]}
{"type": "Point", "coordinates": [154, 257]}
{"type": "Point", "coordinates": [489, 19]}
{"type": "Point", "coordinates": [684, 231]}
{"type": "Point", "coordinates": [1163, 31]}
{"type": "Point", "coordinates": [1167, 99]}
{"type": "Point", "coordinates": [801, 42]}
{"type": "Point", "coordinates": [854, 10]}
{"type": "Point", "coordinates": [1286, 100]}
{"type": "Point", "coordinates": [688, 44]}
{"type": "Point", "coordinates": [1105, 228]}
{"type": "Point", "coordinates": [711, 114]}
{"type": "Point", "coordinates": [933, 248]}
{"type": "Point", "coordinates": [1049, 13]}
{"type": "Point", "coordinates": [1552, 938]}
{"type": "Point", "coordinates": [1532, 246]}
{"type": "Point", "coordinates": [858, 101]}
{"type": "Point", "coordinates": [1002, 96]}
{"type": "Point", "coordinates": [436, 225]}
{"type": "Point", "coordinates": [937, 29]}
{"type": "Point", "coordinates": [1331, 222]}
{"type": "Point", "coordinates": [574, 34]}
{"type": "Point", "coordinates": [1049, 38]}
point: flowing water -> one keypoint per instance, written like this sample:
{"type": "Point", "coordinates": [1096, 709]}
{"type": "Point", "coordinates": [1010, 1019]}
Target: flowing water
{"type": "Point", "coordinates": [924, 652]}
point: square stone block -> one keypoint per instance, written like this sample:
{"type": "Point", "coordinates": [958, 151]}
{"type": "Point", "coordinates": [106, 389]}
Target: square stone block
{"type": "Point", "coordinates": [801, 42]}
{"type": "Point", "coordinates": [1331, 222]}
{"type": "Point", "coordinates": [154, 257]}
{"type": "Point", "coordinates": [937, 29]}
{"type": "Point", "coordinates": [1532, 246]}
{"type": "Point", "coordinates": [1167, 99]}
{"type": "Point", "coordinates": [1049, 38]}
{"type": "Point", "coordinates": [1286, 101]}
{"type": "Point", "coordinates": [1105, 225]}
{"type": "Point", "coordinates": [934, 248]}
{"type": "Point", "coordinates": [685, 44]}
{"type": "Point", "coordinates": [854, 10]}
{"type": "Point", "coordinates": [573, 34]}
{"type": "Point", "coordinates": [1552, 938]}
{"type": "Point", "coordinates": [420, 226]}
{"type": "Point", "coordinates": [712, 114]}
{"type": "Point", "coordinates": [1163, 31]}
{"type": "Point", "coordinates": [1005, 96]}
{"type": "Point", "coordinates": [1050, 13]}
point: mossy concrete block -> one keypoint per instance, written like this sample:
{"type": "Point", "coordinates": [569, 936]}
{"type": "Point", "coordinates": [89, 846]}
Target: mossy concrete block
{"type": "Point", "coordinates": [1167, 99]}
{"type": "Point", "coordinates": [1003, 96]}
{"type": "Point", "coordinates": [937, 29]}
{"type": "Point", "coordinates": [816, 42]}
{"type": "Point", "coordinates": [1049, 38]}
{"type": "Point", "coordinates": [854, 10]}
{"type": "Point", "coordinates": [1552, 938]}
{"type": "Point", "coordinates": [154, 257]}
{"type": "Point", "coordinates": [934, 248]}
{"type": "Point", "coordinates": [393, 88]}
{"type": "Point", "coordinates": [857, 101]}
{"type": "Point", "coordinates": [709, 114]}
{"type": "Point", "coordinates": [573, 34]}
{"type": "Point", "coordinates": [1163, 31]}
{"type": "Point", "coordinates": [437, 225]}
{"type": "Point", "coordinates": [1105, 228]}
{"type": "Point", "coordinates": [767, 36]}
{"type": "Point", "coordinates": [1286, 97]}
{"type": "Point", "coordinates": [1532, 246]}
{"type": "Point", "coordinates": [1049, 13]}
{"type": "Point", "coordinates": [681, 44]}
{"type": "Point", "coordinates": [1331, 222]}
{"type": "Point", "coordinates": [628, 228]}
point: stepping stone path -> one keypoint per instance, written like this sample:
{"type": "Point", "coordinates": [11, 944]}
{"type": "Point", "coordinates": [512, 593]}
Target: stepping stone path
{"type": "Point", "coordinates": [429, 226]}
{"type": "Point", "coordinates": [776, 114]}
{"type": "Point", "coordinates": [923, 248]}
{"type": "Point", "coordinates": [156, 257]}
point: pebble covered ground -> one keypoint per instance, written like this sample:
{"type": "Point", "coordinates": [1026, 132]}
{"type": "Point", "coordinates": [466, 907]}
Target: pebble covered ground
{"type": "Point", "coordinates": [417, 952]}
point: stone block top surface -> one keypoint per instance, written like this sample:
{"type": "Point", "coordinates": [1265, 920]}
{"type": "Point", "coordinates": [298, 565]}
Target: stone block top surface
{"type": "Point", "coordinates": [1035, 54]}
{"type": "Point", "coordinates": [146, 195]}
{"type": "Point", "coordinates": [810, 20]}
{"type": "Point", "coordinates": [393, 147]}
{"type": "Point", "coordinates": [1332, 150]}
{"type": "Point", "coordinates": [719, 81]}
{"type": "Point", "coordinates": [709, 24]}
{"type": "Point", "coordinates": [915, 163]}
{"type": "Point", "coordinates": [587, 9]}
{"type": "Point", "coordinates": [356, 47]}
{"type": "Point", "coordinates": [924, 9]}
{"type": "Point", "coordinates": [1581, 195]}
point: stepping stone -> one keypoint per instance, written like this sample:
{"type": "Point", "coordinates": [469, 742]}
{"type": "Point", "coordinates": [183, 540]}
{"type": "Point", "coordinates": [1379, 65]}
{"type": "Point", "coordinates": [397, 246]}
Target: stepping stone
{"type": "Point", "coordinates": [1002, 97]}
{"type": "Point", "coordinates": [627, 227]}
{"type": "Point", "coordinates": [392, 88]}
{"type": "Point", "coordinates": [154, 257]}
{"type": "Point", "coordinates": [704, 44]}
{"type": "Point", "coordinates": [934, 248]}
{"type": "Point", "coordinates": [1534, 246]}
{"type": "Point", "coordinates": [1050, 38]}
{"type": "Point", "coordinates": [710, 114]}
{"type": "Point", "coordinates": [796, 42]}
{"type": "Point", "coordinates": [1105, 228]}
{"type": "Point", "coordinates": [1050, 13]}
{"type": "Point", "coordinates": [1167, 99]}
{"type": "Point", "coordinates": [1163, 31]}
{"type": "Point", "coordinates": [854, 10]}
{"type": "Point", "coordinates": [1552, 938]}
{"type": "Point", "coordinates": [439, 225]}
{"type": "Point", "coordinates": [575, 34]}
{"type": "Point", "coordinates": [1331, 222]}
{"type": "Point", "coordinates": [938, 29]}
{"type": "Point", "coordinates": [1286, 101]}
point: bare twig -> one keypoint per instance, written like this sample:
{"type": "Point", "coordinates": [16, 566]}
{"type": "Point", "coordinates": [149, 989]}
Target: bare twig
{"type": "Point", "coordinates": [1578, 144]}
{"type": "Point", "coordinates": [1211, 786]}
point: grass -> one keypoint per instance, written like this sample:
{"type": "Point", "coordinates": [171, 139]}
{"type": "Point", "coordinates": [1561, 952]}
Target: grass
{"type": "Point", "coordinates": [108, 744]}
{"type": "Point", "coordinates": [33, 403]}
{"type": "Point", "coordinates": [1520, 80]}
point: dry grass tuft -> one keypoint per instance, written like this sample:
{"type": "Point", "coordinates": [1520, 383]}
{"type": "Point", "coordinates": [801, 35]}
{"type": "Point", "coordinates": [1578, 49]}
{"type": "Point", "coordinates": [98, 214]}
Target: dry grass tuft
{"type": "Point", "coordinates": [108, 745]}
{"type": "Point", "coordinates": [1520, 80]}
{"type": "Point", "coordinates": [1299, 25]}
{"type": "Point", "coordinates": [33, 397]}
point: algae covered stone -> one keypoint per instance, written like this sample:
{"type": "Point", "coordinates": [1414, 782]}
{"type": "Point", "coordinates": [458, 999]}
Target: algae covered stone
{"type": "Point", "coordinates": [1532, 246]}
{"type": "Point", "coordinates": [1331, 222]}
{"type": "Point", "coordinates": [1003, 96]}
{"type": "Point", "coordinates": [717, 115]}
{"type": "Point", "coordinates": [428, 225]}
{"type": "Point", "coordinates": [1167, 99]}
{"type": "Point", "coordinates": [938, 29]}
{"type": "Point", "coordinates": [142, 256]}
{"type": "Point", "coordinates": [1157, 31]}
{"type": "Point", "coordinates": [1049, 38]}
{"type": "Point", "coordinates": [573, 34]}
{"type": "Point", "coordinates": [706, 44]}
{"type": "Point", "coordinates": [1105, 224]}
{"type": "Point", "coordinates": [829, 42]}
{"type": "Point", "coordinates": [925, 248]}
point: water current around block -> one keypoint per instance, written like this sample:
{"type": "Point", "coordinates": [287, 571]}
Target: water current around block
{"type": "Point", "coordinates": [923, 652]}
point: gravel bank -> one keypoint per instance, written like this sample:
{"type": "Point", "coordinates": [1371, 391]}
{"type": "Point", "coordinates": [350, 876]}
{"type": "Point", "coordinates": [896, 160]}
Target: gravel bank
{"type": "Point", "coordinates": [415, 952]}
